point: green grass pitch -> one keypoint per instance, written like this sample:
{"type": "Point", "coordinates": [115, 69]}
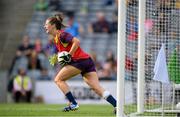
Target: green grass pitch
{"type": "Point", "coordinates": [49, 110]}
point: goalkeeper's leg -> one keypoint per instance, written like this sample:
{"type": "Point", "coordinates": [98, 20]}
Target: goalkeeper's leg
{"type": "Point", "coordinates": [92, 80]}
{"type": "Point", "coordinates": [64, 74]}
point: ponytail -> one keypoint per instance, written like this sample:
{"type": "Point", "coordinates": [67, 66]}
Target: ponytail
{"type": "Point", "coordinates": [57, 20]}
{"type": "Point", "coordinates": [59, 17]}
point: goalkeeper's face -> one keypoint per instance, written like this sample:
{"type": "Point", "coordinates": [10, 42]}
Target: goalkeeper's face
{"type": "Point", "coordinates": [48, 27]}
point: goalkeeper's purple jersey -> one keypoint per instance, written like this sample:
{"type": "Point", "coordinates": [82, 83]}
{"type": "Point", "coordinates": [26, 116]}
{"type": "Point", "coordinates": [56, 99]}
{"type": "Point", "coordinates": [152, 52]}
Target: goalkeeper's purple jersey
{"type": "Point", "coordinates": [63, 42]}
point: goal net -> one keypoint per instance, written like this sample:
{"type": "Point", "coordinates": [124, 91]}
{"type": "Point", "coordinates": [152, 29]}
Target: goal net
{"type": "Point", "coordinates": [161, 26]}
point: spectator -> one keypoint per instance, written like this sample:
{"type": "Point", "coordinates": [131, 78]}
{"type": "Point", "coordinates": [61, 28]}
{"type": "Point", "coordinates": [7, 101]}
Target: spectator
{"type": "Point", "coordinates": [116, 4]}
{"type": "Point", "coordinates": [94, 58]}
{"type": "Point", "coordinates": [34, 62]}
{"type": "Point", "coordinates": [105, 73]}
{"type": "Point", "coordinates": [110, 57]}
{"type": "Point", "coordinates": [131, 3]}
{"type": "Point", "coordinates": [177, 5]}
{"type": "Point", "coordinates": [101, 25]}
{"type": "Point", "coordinates": [148, 25]}
{"type": "Point", "coordinates": [163, 22]}
{"type": "Point", "coordinates": [129, 63]}
{"type": "Point", "coordinates": [132, 24]}
{"type": "Point", "coordinates": [74, 28]}
{"type": "Point", "coordinates": [116, 8]}
{"type": "Point", "coordinates": [41, 5]}
{"type": "Point", "coordinates": [165, 6]}
{"type": "Point", "coordinates": [108, 2]}
{"type": "Point", "coordinates": [22, 86]}
{"type": "Point", "coordinates": [164, 9]}
{"type": "Point", "coordinates": [108, 71]}
{"type": "Point", "coordinates": [38, 46]}
{"type": "Point", "coordinates": [114, 24]}
{"type": "Point", "coordinates": [24, 50]}
{"type": "Point", "coordinates": [55, 5]}
{"type": "Point", "coordinates": [132, 28]}
{"type": "Point", "coordinates": [84, 8]}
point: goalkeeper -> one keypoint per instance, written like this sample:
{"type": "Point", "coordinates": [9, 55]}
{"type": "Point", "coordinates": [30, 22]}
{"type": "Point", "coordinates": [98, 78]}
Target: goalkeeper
{"type": "Point", "coordinates": [76, 62]}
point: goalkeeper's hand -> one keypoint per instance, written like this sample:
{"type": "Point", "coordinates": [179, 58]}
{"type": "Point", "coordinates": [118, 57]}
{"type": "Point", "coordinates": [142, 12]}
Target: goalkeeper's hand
{"type": "Point", "coordinates": [53, 59]}
{"type": "Point", "coordinates": [66, 60]}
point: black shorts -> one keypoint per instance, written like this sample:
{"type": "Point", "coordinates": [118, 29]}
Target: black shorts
{"type": "Point", "coordinates": [85, 65]}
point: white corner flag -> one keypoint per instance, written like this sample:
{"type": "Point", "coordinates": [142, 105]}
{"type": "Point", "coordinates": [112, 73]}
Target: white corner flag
{"type": "Point", "coordinates": [160, 68]}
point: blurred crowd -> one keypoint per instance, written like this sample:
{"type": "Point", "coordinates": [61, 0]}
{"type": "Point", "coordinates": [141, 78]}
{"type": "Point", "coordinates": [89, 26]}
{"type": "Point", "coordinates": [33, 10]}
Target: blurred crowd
{"type": "Point", "coordinates": [90, 19]}
{"type": "Point", "coordinates": [30, 62]}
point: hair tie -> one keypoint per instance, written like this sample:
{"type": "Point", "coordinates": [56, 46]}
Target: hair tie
{"type": "Point", "coordinates": [58, 18]}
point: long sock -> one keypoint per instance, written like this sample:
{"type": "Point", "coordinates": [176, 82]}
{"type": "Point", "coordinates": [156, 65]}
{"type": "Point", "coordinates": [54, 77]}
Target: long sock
{"type": "Point", "coordinates": [70, 98]}
{"type": "Point", "coordinates": [111, 100]}
{"type": "Point", "coordinates": [107, 96]}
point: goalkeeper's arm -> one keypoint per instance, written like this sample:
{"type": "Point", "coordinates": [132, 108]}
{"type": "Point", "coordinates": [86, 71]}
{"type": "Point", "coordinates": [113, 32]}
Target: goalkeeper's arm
{"type": "Point", "coordinates": [75, 46]}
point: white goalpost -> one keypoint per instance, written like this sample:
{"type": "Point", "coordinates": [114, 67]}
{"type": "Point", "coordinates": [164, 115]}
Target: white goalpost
{"type": "Point", "coordinates": [141, 57]}
{"type": "Point", "coordinates": [143, 26]}
{"type": "Point", "coordinates": [121, 57]}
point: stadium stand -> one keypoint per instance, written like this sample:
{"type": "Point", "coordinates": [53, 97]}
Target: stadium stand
{"type": "Point", "coordinates": [99, 42]}
{"type": "Point", "coordinates": [14, 17]}
{"type": "Point", "coordinates": [24, 18]}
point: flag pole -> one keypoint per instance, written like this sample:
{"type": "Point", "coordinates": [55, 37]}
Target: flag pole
{"type": "Point", "coordinates": [162, 99]}
{"type": "Point", "coordinates": [161, 73]}
{"type": "Point", "coordinates": [172, 106]}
